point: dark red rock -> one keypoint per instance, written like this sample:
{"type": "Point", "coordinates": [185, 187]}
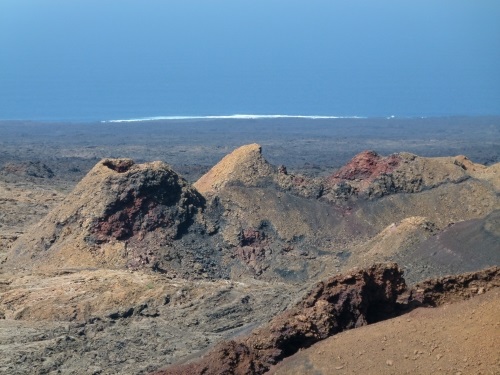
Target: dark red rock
{"type": "Point", "coordinates": [367, 165]}
{"type": "Point", "coordinates": [147, 200]}
{"type": "Point", "coordinates": [252, 249]}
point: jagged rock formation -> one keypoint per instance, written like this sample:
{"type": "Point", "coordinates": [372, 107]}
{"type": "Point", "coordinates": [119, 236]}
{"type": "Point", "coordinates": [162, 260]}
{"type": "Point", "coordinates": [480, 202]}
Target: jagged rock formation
{"type": "Point", "coordinates": [438, 291]}
{"type": "Point", "coordinates": [370, 175]}
{"type": "Point", "coordinates": [340, 303]}
{"type": "Point", "coordinates": [120, 214]}
{"type": "Point", "coordinates": [337, 304]}
{"type": "Point", "coordinates": [366, 167]}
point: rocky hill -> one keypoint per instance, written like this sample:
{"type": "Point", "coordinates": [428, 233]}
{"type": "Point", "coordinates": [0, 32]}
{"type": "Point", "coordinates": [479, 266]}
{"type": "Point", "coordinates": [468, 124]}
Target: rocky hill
{"type": "Point", "coordinates": [121, 214]}
{"type": "Point", "coordinates": [136, 268]}
{"type": "Point", "coordinates": [244, 165]}
{"type": "Point", "coordinates": [248, 218]}
{"type": "Point", "coordinates": [293, 227]}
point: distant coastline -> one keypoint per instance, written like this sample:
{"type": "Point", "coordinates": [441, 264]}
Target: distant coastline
{"type": "Point", "coordinates": [235, 117]}
{"type": "Point", "coordinates": [246, 117]}
{"type": "Point", "coordinates": [291, 117]}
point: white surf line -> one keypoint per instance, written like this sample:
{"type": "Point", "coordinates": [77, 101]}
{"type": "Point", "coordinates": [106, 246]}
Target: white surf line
{"type": "Point", "coordinates": [233, 117]}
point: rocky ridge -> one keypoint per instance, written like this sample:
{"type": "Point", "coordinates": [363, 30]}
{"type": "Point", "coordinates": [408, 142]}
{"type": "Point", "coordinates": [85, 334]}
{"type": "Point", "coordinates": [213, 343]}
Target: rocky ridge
{"type": "Point", "coordinates": [247, 218]}
{"type": "Point", "coordinates": [296, 220]}
{"type": "Point", "coordinates": [372, 175]}
{"type": "Point", "coordinates": [340, 303]}
{"type": "Point", "coordinates": [250, 240]}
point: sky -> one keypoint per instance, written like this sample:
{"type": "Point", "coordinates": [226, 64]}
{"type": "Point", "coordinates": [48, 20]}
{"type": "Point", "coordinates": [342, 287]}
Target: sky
{"type": "Point", "coordinates": [85, 59]}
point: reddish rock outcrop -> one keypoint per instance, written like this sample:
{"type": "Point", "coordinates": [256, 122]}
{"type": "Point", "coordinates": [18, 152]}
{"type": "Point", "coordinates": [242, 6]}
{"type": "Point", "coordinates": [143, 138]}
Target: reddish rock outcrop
{"type": "Point", "coordinates": [370, 175]}
{"type": "Point", "coordinates": [367, 173]}
{"type": "Point", "coordinates": [252, 249]}
{"type": "Point", "coordinates": [339, 303]}
{"type": "Point", "coordinates": [367, 165]}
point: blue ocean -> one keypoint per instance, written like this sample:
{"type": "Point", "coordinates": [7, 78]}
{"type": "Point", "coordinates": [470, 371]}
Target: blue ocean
{"type": "Point", "coordinates": [117, 60]}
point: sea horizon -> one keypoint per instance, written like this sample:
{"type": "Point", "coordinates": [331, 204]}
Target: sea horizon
{"type": "Point", "coordinates": [239, 117]}
{"type": "Point", "coordinates": [344, 60]}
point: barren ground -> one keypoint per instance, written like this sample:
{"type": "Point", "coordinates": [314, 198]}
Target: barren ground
{"type": "Point", "coordinates": [459, 338]}
{"type": "Point", "coordinates": [96, 321]}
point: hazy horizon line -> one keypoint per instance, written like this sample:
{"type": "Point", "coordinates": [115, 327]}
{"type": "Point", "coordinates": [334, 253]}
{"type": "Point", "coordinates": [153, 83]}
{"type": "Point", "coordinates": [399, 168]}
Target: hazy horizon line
{"type": "Point", "coordinates": [239, 117]}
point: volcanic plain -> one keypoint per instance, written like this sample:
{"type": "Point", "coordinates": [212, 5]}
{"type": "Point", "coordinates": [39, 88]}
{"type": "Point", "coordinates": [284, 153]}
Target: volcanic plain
{"type": "Point", "coordinates": [247, 247]}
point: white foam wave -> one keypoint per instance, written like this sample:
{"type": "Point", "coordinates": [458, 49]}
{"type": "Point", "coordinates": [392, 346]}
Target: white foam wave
{"type": "Point", "coordinates": [233, 117]}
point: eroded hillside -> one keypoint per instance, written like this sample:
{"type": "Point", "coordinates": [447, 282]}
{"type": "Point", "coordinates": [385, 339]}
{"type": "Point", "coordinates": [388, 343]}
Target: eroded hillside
{"type": "Point", "coordinates": [137, 268]}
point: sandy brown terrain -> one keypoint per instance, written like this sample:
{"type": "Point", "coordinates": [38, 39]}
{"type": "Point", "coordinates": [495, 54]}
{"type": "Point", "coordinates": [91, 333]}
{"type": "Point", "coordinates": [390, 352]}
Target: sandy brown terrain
{"type": "Point", "coordinates": [110, 321]}
{"type": "Point", "coordinates": [120, 266]}
{"type": "Point", "coordinates": [23, 204]}
{"type": "Point", "coordinates": [459, 338]}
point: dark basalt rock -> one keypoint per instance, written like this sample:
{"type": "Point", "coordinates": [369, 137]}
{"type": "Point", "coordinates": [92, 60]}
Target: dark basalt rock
{"type": "Point", "coordinates": [118, 165]}
{"type": "Point", "coordinates": [147, 201]}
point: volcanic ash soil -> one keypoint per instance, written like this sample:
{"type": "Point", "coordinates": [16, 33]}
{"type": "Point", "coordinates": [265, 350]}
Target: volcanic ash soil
{"type": "Point", "coordinates": [136, 268]}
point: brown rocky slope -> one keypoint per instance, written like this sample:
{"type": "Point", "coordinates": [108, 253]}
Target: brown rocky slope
{"type": "Point", "coordinates": [304, 227]}
{"type": "Point", "coordinates": [258, 221]}
{"type": "Point", "coordinates": [121, 214]}
{"type": "Point", "coordinates": [340, 303]}
{"type": "Point", "coordinates": [273, 234]}
{"type": "Point", "coordinates": [460, 338]}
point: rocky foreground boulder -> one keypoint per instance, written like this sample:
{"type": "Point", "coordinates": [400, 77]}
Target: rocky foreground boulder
{"type": "Point", "coordinates": [341, 302]}
{"type": "Point", "coordinates": [334, 305]}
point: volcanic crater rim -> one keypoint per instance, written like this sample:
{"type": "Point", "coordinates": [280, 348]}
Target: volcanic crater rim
{"type": "Point", "coordinates": [118, 165]}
